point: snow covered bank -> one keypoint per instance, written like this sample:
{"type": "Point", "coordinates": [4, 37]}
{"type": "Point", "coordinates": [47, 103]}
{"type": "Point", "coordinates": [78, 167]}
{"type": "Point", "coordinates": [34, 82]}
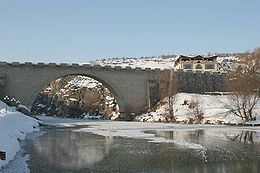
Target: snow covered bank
{"type": "Point", "coordinates": [212, 106]}
{"type": "Point", "coordinates": [13, 127]}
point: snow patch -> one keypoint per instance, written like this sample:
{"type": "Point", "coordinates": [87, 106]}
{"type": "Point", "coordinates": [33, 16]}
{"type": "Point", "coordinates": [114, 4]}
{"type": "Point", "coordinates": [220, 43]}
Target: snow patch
{"type": "Point", "coordinates": [13, 127]}
{"type": "Point", "coordinates": [18, 164]}
{"type": "Point", "coordinates": [213, 107]}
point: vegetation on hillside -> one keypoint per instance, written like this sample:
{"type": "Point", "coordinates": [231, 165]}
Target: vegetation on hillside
{"type": "Point", "coordinates": [244, 86]}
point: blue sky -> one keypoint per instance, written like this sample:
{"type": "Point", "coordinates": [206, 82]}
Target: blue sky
{"type": "Point", "coordinates": [83, 30]}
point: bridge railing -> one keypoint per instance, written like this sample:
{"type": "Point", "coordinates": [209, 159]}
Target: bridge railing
{"type": "Point", "coordinates": [86, 65]}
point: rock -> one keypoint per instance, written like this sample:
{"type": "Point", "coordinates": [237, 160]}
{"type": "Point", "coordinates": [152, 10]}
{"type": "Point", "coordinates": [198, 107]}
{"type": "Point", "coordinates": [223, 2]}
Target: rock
{"type": "Point", "coordinates": [23, 109]}
{"type": "Point", "coordinates": [71, 96]}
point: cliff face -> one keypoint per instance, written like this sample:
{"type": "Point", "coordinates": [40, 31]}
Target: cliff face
{"type": "Point", "coordinates": [76, 96]}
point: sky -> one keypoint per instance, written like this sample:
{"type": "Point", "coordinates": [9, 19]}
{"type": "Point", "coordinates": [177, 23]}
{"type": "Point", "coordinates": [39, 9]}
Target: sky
{"type": "Point", "coordinates": [83, 30]}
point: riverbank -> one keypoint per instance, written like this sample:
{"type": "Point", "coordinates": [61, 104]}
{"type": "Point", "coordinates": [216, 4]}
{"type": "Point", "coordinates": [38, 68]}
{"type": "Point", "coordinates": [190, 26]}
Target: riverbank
{"type": "Point", "coordinates": [186, 106]}
{"type": "Point", "coordinates": [13, 128]}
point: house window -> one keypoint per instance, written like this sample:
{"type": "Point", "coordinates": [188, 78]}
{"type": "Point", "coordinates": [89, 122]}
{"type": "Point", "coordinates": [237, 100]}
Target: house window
{"type": "Point", "coordinates": [198, 66]}
{"type": "Point", "coordinates": [187, 66]}
{"type": "Point", "coordinates": [210, 66]}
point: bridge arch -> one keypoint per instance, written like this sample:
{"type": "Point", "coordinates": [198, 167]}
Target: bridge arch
{"type": "Point", "coordinates": [111, 88]}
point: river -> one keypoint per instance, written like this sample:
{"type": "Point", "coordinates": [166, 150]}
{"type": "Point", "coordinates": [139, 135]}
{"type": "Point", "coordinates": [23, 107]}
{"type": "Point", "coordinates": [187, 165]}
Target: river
{"type": "Point", "coordinates": [214, 150]}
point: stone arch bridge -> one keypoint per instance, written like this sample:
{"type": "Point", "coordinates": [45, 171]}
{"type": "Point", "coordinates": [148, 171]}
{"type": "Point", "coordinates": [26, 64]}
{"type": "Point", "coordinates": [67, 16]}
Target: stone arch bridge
{"type": "Point", "coordinates": [135, 89]}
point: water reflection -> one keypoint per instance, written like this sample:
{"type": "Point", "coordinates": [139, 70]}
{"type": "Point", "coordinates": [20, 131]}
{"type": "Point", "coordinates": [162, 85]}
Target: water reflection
{"type": "Point", "coordinates": [248, 137]}
{"type": "Point", "coordinates": [69, 149]}
{"type": "Point", "coordinates": [194, 136]}
{"type": "Point", "coordinates": [243, 136]}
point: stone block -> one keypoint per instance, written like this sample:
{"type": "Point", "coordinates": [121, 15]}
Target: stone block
{"type": "Point", "coordinates": [52, 64]}
{"type": "Point", "coordinates": [15, 63]}
{"type": "Point", "coordinates": [63, 64]}
{"type": "Point", "coordinates": [75, 65]}
{"type": "Point", "coordinates": [40, 64]}
{"type": "Point", "coordinates": [3, 63]}
{"type": "Point", "coordinates": [28, 63]}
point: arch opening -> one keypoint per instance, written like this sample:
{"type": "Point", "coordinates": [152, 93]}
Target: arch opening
{"type": "Point", "coordinates": [198, 66]}
{"type": "Point", "coordinates": [78, 96]}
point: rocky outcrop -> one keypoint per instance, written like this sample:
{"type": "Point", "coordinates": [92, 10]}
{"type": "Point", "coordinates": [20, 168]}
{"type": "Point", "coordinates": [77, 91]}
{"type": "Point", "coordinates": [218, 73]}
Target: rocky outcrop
{"type": "Point", "coordinates": [23, 109]}
{"type": "Point", "coordinates": [77, 97]}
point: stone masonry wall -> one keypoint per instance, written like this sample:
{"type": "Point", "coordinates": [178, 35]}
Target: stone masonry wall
{"type": "Point", "coordinates": [190, 82]}
{"type": "Point", "coordinates": [198, 82]}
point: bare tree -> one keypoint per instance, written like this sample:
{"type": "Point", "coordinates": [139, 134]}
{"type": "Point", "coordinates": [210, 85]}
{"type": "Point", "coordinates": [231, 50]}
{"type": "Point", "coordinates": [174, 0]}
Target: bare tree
{"type": "Point", "coordinates": [244, 85]}
{"type": "Point", "coordinates": [195, 107]}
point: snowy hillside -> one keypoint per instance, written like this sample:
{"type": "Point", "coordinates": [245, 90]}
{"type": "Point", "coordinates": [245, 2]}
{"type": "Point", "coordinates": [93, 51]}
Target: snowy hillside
{"type": "Point", "coordinates": [213, 108]}
{"type": "Point", "coordinates": [156, 62]}
{"type": "Point", "coordinates": [162, 62]}
{"type": "Point", "coordinates": [13, 127]}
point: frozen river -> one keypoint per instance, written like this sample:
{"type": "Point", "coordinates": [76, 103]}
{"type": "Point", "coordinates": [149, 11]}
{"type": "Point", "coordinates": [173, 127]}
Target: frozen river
{"type": "Point", "coordinates": [143, 147]}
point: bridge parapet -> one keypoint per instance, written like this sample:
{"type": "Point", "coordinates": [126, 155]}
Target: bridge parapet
{"type": "Point", "coordinates": [96, 66]}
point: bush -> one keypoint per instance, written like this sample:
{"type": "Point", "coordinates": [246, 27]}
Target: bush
{"type": "Point", "coordinates": [195, 108]}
